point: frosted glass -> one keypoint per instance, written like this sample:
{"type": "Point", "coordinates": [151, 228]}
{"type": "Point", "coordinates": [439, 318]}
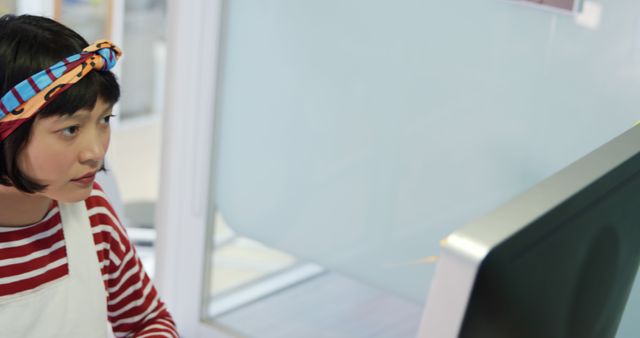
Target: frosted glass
{"type": "Point", "coordinates": [357, 134]}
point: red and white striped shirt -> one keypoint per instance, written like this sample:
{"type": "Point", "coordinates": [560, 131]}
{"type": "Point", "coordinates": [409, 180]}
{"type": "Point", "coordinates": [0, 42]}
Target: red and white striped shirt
{"type": "Point", "coordinates": [34, 256]}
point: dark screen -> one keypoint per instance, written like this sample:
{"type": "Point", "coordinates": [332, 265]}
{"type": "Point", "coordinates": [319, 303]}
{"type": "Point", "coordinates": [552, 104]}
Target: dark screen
{"type": "Point", "coordinates": [568, 274]}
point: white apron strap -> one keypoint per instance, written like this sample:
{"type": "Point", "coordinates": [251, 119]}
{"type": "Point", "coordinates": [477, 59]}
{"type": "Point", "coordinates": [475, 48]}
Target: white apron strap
{"type": "Point", "coordinates": [72, 307]}
{"type": "Point", "coordinates": [84, 270]}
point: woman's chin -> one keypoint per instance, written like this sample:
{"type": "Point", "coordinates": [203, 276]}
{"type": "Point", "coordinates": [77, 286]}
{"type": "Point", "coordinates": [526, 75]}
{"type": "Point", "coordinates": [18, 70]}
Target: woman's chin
{"type": "Point", "coordinates": [72, 194]}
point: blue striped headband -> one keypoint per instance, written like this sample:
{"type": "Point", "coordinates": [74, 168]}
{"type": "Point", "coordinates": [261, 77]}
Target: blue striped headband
{"type": "Point", "coordinates": [31, 95]}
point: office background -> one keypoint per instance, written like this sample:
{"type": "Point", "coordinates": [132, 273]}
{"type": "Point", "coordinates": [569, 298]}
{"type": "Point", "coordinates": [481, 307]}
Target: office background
{"type": "Point", "coordinates": [351, 136]}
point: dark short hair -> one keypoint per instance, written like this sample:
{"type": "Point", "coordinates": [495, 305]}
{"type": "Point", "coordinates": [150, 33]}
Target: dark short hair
{"type": "Point", "coordinates": [29, 44]}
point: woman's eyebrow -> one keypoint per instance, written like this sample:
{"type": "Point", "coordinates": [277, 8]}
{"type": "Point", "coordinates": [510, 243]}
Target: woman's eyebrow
{"type": "Point", "coordinates": [81, 115]}
{"type": "Point", "coordinates": [108, 109]}
{"type": "Point", "coordinates": [77, 116]}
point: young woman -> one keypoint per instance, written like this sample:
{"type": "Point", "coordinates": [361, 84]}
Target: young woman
{"type": "Point", "coordinates": [67, 268]}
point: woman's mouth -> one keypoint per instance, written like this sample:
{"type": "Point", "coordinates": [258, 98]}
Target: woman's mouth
{"type": "Point", "coordinates": [86, 179]}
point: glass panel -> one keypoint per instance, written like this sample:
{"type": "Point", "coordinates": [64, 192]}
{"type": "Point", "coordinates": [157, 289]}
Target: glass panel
{"type": "Point", "coordinates": [353, 135]}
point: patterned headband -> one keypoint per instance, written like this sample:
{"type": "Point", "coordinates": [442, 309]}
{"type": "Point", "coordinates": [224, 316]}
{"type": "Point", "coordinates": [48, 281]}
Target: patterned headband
{"type": "Point", "coordinates": [31, 95]}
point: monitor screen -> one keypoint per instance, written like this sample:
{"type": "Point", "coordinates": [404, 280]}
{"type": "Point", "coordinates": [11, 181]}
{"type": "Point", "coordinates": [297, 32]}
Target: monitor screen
{"type": "Point", "coordinates": [557, 261]}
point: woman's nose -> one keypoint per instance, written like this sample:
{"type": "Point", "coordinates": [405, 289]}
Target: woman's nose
{"type": "Point", "coordinates": [93, 150]}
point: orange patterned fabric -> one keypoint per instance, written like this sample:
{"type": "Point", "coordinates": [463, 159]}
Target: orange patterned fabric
{"type": "Point", "coordinates": [27, 98]}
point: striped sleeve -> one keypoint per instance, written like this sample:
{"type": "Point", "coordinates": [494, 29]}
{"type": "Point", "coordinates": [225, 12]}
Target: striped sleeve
{"type": "Point", "coordinates": [134, 307]}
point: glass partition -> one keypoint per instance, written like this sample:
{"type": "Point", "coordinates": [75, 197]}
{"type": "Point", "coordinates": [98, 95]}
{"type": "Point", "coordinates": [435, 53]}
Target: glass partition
{"type": "Point", "coordinates": [351, 136]}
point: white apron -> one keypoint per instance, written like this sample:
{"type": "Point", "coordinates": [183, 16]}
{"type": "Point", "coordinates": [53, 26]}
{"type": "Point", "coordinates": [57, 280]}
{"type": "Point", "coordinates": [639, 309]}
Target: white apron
{"type": "Point", "coordinates": [72, 307]}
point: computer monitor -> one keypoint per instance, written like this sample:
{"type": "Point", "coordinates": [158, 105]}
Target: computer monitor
{"type": "Point", "coordinates": [558, 261]}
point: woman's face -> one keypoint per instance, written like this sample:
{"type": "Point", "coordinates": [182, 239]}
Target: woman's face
{"type": "Point", "coordinates": [65, 152]}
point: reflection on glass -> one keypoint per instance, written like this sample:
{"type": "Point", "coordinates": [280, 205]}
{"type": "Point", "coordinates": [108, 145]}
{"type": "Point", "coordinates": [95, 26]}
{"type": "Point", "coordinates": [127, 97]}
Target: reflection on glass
{"type": "Point", "coordinates": [256, 290]}
{"type": "Point", "coordinates": [241, 260]}
{"type": "Point", "coordinates": [562, 4]}
{"type": "Point", "coordinates": [245, 270]}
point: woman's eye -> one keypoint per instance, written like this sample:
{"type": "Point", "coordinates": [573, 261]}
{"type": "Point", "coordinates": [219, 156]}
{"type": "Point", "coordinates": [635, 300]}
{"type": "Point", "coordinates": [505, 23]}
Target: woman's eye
{"type": "Point", "coordinates": [107, 119]}
{"type": "Point", "coordinates": [70, 131]}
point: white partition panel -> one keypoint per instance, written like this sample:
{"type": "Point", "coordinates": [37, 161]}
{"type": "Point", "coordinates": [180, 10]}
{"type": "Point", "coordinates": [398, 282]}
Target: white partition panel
{"type": "Point", "coordinates": [356, 134]}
